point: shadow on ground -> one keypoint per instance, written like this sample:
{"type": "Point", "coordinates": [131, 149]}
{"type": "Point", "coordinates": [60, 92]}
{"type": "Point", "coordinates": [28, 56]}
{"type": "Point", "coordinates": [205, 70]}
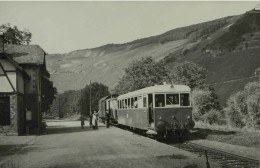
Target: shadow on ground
{"type": "Point", "coordinates": [6, 150]}
{"type": "Point", "coordinates": [66, 130]}
{"type": "Point", "coordinates": [202, 133]}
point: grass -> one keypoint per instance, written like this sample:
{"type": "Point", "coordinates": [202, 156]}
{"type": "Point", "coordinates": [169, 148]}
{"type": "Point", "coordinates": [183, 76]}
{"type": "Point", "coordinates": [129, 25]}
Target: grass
{"type": "Point", "coordinates": [230, 135]}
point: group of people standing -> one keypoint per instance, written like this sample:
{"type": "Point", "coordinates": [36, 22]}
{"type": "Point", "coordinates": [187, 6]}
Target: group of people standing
{"type": "Point", "coordinates": [93, 120]}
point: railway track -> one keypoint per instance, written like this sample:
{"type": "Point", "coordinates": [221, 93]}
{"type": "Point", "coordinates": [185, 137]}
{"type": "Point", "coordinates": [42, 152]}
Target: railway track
{"type": "Point", "coordinates": [227, 160]}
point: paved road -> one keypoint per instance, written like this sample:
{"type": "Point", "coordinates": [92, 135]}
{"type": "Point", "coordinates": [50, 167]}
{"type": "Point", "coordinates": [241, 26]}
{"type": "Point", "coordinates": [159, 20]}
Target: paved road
{"type": "Point", "coordinates": [67, 145]}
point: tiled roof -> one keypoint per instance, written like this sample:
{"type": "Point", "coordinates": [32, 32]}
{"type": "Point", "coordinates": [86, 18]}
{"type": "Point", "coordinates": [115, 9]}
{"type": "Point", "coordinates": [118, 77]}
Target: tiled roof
{"type": "Point", "coordinates": [26, 54]}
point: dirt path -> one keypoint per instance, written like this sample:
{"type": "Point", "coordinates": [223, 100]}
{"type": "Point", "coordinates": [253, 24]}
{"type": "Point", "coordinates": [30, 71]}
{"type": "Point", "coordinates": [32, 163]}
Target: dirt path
{"type": "Point", "coordinates": [67, 145]}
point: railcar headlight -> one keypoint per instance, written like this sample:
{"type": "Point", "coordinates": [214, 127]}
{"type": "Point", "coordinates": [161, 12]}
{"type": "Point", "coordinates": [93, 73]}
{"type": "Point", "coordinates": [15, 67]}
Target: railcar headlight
{"type": "Point", "coordinates": [188, 116]}
{"type": "Point", "coordinates": [160, 117]}
{"type": "Point", "coordinates": [173, 117]}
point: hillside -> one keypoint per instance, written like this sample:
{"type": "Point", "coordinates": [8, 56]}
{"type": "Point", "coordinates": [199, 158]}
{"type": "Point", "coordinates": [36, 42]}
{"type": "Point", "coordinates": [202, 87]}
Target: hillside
{"type": "Point", "coordinates": [105, 64]}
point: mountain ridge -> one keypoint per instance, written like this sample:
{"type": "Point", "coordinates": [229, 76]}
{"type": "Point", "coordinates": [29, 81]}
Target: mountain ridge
{"type": "Point", "coordinates": [105, 64]}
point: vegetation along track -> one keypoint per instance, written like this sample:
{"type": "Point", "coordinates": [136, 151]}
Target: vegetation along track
{"type": "Point", "coordinates": [224, 158]}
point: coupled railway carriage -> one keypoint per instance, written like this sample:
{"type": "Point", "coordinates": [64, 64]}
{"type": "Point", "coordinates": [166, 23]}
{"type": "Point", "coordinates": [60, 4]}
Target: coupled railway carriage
{"type": "Point", "coordinates": [109, 105]}
{"type": "Point", "coordinates": [157, 109]}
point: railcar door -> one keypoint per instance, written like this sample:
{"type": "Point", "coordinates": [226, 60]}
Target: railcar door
{"type": "Point", "coordinates": [150, 113]}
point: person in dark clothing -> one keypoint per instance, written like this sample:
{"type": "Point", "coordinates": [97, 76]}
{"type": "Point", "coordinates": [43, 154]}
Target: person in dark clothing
{"type": "Point", "coordinates": [108, 118]}
{"type": "Point", "coordinates": [90, 118]}
{"type": "Point", "coordinates": [82, 120]}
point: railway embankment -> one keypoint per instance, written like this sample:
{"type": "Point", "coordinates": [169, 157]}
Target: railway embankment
{"type": "Point", "coordinates": [224, 134]}
{"type": "Point", "coordinates": [248, 152]}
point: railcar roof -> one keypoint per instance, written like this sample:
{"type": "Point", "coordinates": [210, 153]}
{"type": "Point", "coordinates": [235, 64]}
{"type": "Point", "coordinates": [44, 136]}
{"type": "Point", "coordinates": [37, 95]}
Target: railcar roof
{"type": "Point", "coordinates": [157, 89]}
{"type": "Point", "coordinates": [107, 97]}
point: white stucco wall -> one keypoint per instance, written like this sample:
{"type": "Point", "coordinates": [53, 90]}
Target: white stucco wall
{"type": "Point", "coordinates": [4, 83]}
{"type": "Point", "coordinates": [8, 66]}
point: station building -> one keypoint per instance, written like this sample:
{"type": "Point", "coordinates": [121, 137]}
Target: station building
{"type": "Point", "coordinates": [21, 72]}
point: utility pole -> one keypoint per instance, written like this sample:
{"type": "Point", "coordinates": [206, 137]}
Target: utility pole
{"type": "Point", "coordinates": [90, 98]}
{"type": "Point", "coordinates": [207, 161]}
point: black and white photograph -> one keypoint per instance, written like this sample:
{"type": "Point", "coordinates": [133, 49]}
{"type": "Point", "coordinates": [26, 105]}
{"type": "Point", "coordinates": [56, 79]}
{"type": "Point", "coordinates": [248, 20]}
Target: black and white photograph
{"type": "Point", "coordinates": [129, 84]}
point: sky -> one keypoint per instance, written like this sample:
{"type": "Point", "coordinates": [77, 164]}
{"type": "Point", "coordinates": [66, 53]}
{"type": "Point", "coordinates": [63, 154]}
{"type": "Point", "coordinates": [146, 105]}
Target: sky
{"type": "Point", "coordinates": [61, 27]}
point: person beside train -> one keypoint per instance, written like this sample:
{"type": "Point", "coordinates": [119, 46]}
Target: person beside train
{"type": "Point", "coordinates": [108, 118]}
{"type": "Point", "coordinates": [82, 121]}
{"type": "Point", "coordinates": [95, 120]}
{"type": "Point", "coordinates": [90, 118]}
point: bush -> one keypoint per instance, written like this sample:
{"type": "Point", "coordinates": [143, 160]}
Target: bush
{"type": "Point", "coordinates": [243, 108]}
{"type": "Point", "coordinates": [205, 106]}
{"type": "Point", "coordinates": [212, 116]}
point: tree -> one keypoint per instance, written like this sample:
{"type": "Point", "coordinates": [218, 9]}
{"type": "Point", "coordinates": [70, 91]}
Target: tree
{"type": "Point", "coordinates": [15, 36]}
{"type": "Point", "coordinates": [142, 73]}
{"type": "Point", "coordinates": [49, 92]}
{"type": "Point", "coordinates": [187, 73]}
{"type": "Point", "coordinates": [98, 91]}
{"type": "Point", "coordinates": [243, 108]}
{"type": "Point", "coordinates": [205, 105]}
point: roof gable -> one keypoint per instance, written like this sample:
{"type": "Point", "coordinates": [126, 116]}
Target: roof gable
{"type": "Point", "coordinates": [26, 54]}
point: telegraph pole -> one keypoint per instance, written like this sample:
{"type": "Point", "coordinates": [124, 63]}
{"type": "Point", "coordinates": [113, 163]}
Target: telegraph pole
{"type": "Point", "coordinates": [90, 98]}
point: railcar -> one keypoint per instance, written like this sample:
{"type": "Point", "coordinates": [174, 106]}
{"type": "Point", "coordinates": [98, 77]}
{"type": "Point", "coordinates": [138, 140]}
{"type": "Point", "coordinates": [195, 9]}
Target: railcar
{"type": "Point", "coordinates": [157, 110]}
{"type": "Point", "coordinates": [108, 104]}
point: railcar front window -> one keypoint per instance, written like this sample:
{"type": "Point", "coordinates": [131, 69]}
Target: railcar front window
{"type": "Point", "coordinates": [185, 99]}
{"type": "Point", "coordinates": [160, 100]}
{"type": "Point", "coordinates": [172, 99]}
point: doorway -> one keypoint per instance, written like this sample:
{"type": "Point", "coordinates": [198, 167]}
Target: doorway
{"type": "Point", "coordinates": [150, 105]}
{"type": "Point", "coordinates": [5, 111]}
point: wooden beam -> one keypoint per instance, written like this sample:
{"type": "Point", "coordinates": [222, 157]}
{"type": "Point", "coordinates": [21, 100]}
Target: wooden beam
{"type": "Point", "coordinates": [5, 74]}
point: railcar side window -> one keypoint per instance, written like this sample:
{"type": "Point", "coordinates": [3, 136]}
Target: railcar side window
{"type": "Point", "coordinates": [144, 101]}
{"type": "Point", "coordinates": [185, 99]}
{"type": "Point", "coordinates": [135, 102]}
{"type": "Point", "coordinates": [172, 99]}
{"type": "Point", "coordinates": [125, 105]}
{"type": "Point", "coordinates": [132, 102]}
{"type": "Point", "coordinates": [160, 100]}
{"type": "Point", "coordinates": [140, 102]}
{"type": "Point", "coordinates": [128, 103]}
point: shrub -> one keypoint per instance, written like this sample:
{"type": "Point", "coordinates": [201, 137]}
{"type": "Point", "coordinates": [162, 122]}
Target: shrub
{"type": "Point", "coordinates": [212, 116]}
{"type": "Point", "coordinates": [205, 105]}
{"type": "Point", "coordinates": [243, 108]}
